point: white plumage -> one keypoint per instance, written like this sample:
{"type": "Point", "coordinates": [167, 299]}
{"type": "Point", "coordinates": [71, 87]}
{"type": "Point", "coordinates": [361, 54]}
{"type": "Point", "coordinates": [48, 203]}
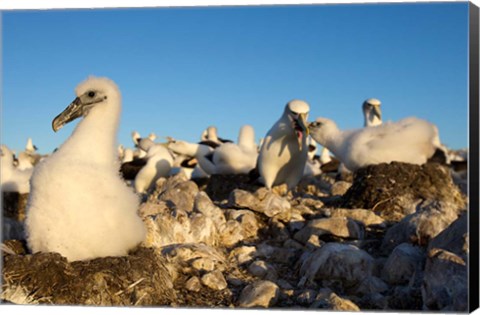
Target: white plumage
{"type": "Point", "coordinates": [409, 140]}
{"type": "Point", "coordinates": [159, 164]}
{"type": "Point", "coordinates": [284, 150]}
{"type": "Point", "coordinates": [200, 152]}
{"type": "Point", "coordinates": [241, 158]}
{"type": "Point", "coordinates": [12, 178]}
{"type": "Point", "coordinates": [78, 205]}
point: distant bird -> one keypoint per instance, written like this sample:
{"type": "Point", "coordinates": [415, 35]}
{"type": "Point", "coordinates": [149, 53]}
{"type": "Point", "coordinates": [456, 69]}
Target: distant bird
{"type": "Point", "coordinates": [159, 164]}
{"type": "Point", "coordinates": [284, 150]}
{"type": "Point", "coordinates": [202, 153]}
{"type": "Point", "coordinates": [13, 179]}
{"type": "Point", "coordinates": [235, 158]}
{"type": "Point", "coordinates": [30, 148]}
{"type": "Point", "coordinates": [127, 155]}
{"type": "Point", "coordinates": [78, 205]}
{"type": "Point", "coordinates": [152, 136]}
{"type": "Point", "coordinates": [210, 135]}
{"type": "Point", "coordinates": [371, 112]}
{"type": "Point", "coordinates": [410, 140]}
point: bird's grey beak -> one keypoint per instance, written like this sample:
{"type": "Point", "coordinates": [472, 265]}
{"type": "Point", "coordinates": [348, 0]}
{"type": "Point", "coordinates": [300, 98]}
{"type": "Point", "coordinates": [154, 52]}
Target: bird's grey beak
{"type": "Point", "coordinates": [301, 129]}
{"type": "Point", "coordinates": [74, 110]}
{"type": "Point", "coordinates": [377, 112]}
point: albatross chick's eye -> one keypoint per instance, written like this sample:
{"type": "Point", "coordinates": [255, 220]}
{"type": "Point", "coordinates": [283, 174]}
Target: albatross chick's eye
{"type": "Point", "coordinates": [91, 94]}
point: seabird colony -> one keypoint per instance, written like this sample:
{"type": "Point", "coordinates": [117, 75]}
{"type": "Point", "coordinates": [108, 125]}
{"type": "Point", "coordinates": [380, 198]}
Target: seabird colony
{"type": "Point", "coordinates": [78, 198]}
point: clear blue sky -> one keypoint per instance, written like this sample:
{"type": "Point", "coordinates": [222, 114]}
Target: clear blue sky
{"type": "Point", "coordinates": [181, 70]}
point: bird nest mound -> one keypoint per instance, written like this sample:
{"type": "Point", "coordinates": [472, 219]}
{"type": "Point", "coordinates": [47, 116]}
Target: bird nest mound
{"type": "Point", "coordinates": [388, 188]}
{"type": "Point", "coordinates": [138, 279]}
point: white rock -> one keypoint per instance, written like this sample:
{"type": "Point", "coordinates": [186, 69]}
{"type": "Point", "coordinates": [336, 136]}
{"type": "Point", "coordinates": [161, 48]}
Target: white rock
{"type": "Point", "coordinates": [335, 261]}
{"type": "Point", "coordinates": [214, 280]}
{"type": "Point", "coordinates": [262, 293]}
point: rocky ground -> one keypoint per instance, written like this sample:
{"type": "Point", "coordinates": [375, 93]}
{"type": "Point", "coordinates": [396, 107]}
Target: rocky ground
{"type": "Point", "coordinates": [395, 238]}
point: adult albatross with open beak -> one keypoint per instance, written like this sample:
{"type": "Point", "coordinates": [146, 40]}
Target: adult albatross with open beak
{"type": "Point", "coordinates": [284, 150]}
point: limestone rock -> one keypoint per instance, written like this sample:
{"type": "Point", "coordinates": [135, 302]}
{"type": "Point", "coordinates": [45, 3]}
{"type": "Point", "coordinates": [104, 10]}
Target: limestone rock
{"type": "Point", "coordinates": [340, 188]}
{"type": "Point", "coordinates": [214, 280]}
{"type": "Point", "coordinates": [336, 261]}
{"type": "Point", "coordinates": [445, 287]}
{"type": "Point", "coordinates": [232, 233]}
{"type": "Point", "coordinates": [366, 217]}
{"type": "Point", "coordinates": [454, 238]}
{"type": "Point", "coordinates": [248, 222]}
{"type": "Point", "coordinates": [203, 264]}
{"type": "Point", "coordinates": [263, 270]}
{"type": "Point", "coordinates": [262, 293]}
{"type": "Point", "coordinates": [431, 218]}
{"type": "Point", "coordinates": [178, 193]}
{"type": "Point", "coordinates": [329, 300]}
{"type": "Point", "coordinates": [403, 263]}
{"type": "Point", "coordinates": [262, 201]}
{"type": "Point", "coordinates": [193, 284]}
{"type": "Point", "coordinates": [337, 226]}
{"type": "Point", "coordinates": [198, 256]}
{"type": "Point", "coordinates": [203, 204]}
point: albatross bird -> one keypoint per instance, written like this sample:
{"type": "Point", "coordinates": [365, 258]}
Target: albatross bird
{"type": "Point", "coordinates": [159, 164]}
{"type": "Point", "coordinates": [78, 205]}
{"type": "Point", "coordinates": [13, 179]}
{"type": "Point", "coordinates": [284, 149]}
{"type": "Point", "coordinates": [371, 112]}
{"type": "Point", "coordinates": [410, 140]}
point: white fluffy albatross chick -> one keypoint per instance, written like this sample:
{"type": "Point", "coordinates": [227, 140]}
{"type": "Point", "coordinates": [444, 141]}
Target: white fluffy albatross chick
{"type": "Point", "coordinates": [284, 150]}
{"type": "Point", "coordinates": [78, 204]}
{"type": "Point", "coordinates": [159, 164]}
{"type": "Point", "coordinates": [410, 140]}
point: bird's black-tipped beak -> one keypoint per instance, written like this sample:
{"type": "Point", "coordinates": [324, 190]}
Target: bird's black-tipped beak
{"type": "Point", "coordinates": [301, 129]}
{"type": "Point", "coordinates": [73, 111]}
{"type": "Point", "coordinates": [377, 112]}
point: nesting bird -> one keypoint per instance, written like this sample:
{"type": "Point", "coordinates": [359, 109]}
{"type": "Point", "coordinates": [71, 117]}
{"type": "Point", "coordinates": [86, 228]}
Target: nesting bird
{"type": "Point", "coordinates": [284, 149]}
{"type": "Point", "coordinates": [235, 158]}
{"type": "Point", "coordinates": [13, 179]}
{"type": "Point", "coordinates": [159, 164]}
{"type": "Point", "coordinates": [410, 140]}
{"type": "Point", "coordinates": [78, 205]}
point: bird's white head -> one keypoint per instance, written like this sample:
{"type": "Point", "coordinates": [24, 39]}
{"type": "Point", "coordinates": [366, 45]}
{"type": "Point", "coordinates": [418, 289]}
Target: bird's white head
{"type": "Point", "coordinates": [321, 130]}
{"type": "Point", "coordinates": [297, 112]}
{"type": "Point", "coordinates": [372, 112]}
{"type": "Point", "coordinates": [92, 92]}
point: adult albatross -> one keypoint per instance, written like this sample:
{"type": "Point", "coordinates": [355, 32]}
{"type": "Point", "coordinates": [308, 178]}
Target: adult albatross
{"type": "Point", "coordinates": [78, 205]}
{"type": "Point", "coordinates": [284, 150]}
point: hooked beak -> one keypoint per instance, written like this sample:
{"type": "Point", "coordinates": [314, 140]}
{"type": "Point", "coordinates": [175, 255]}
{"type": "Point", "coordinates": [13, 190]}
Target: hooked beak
{"type": "Point", "coordinates": [301, 127]}
{"type": "Point", "coordinates": [377, 112]}
{"type": "Point", "coordinates": [74, 110]}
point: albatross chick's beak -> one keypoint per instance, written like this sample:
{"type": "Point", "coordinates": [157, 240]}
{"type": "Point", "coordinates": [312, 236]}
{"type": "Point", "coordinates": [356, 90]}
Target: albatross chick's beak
{"type": "Point", "coordinates": [301, 127]}
{"type": "Point", "coordinates": [74, 110]}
